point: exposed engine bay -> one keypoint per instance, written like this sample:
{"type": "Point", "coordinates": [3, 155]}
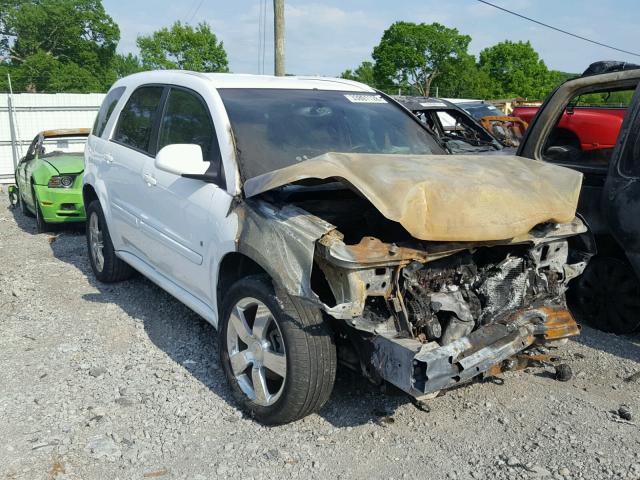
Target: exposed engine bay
{"type": "Point", "coordinates": [449, 298]}
{"type": "Point", "coordinates": [432, 270]}
{"type": "Point", "coordinates": [395, 298]}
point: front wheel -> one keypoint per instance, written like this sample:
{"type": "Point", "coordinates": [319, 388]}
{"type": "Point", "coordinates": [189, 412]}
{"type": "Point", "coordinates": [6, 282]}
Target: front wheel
{"type": "Point", "coordinates": [277, 352]}
{"type": "Point", "coordinates": [41, 225]}
{"type": "Point", "coordinates": [106, 266]}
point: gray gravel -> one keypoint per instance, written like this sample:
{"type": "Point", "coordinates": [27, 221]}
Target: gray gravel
{"type": "Point", "coordinates": [122, 382]}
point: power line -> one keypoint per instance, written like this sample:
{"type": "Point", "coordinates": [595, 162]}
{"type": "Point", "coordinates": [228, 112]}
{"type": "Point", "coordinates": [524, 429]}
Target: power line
{"type": "Point", "coordinates": [559, 29]}
{"type": "Point", "coordinates": [196, 11]}
{"type": "Point", "coordinates": [188, 15]}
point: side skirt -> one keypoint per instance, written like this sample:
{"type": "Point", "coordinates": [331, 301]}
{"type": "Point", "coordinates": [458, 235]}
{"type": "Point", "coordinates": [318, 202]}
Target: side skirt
{"type": "Point", "coordinates": [194, 303]}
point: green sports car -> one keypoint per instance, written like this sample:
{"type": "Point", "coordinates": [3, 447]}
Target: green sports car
{"type": "Point", "coordinates": [49, 177]}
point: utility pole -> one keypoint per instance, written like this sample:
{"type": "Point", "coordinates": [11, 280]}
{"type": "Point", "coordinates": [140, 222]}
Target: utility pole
{"type": "Point", "coordinates": [15, 139]}
{"type": "Point", "coordinates": [278, 37]}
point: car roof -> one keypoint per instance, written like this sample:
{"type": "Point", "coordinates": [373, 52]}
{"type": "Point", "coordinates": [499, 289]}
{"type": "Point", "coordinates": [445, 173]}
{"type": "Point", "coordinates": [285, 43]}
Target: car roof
{"type": "Point", "coordinates": [241, 80]}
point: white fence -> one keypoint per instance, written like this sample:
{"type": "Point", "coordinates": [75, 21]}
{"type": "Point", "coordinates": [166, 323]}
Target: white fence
{"type": "Point", "coordinates": [30, 113]}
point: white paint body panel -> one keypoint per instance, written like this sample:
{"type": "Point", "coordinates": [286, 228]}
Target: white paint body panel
{"type": "Point", "coordinates": [177, 230]}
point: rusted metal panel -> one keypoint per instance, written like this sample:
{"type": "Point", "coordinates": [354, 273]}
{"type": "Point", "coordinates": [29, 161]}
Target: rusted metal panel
{"type": "Point", "coordinates": [66, 132]}
{"type": "Point", "coordinates": [434, 367]}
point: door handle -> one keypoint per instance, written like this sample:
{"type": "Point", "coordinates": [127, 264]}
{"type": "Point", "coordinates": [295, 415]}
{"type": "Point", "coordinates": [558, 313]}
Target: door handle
{"type": "Point", "coordinates": [150, 179]}
{"type": "Point", "coordinates": [108, 158]}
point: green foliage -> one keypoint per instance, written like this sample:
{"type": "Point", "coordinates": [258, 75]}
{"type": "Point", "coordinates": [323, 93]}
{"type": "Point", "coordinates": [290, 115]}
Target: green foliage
{"type": "Point", "coordinates": [364, 74]}
{"type": "Point", "coordinates": [516, 70]}
{"type": "Point", "coordinates": [54, 45]}
{"type": "Point", "coordinates": [414, 55]}
{"type": "Point", "coordinates": [433, 60]}
{"type": "Point", "coordinates": [124, 65]}
{"type": "Point", "coordinates": [461, 78]}
{"type": "Point", "coordinates": [605, 99]}
{"type": "Point", "coordinates": [183, 47]}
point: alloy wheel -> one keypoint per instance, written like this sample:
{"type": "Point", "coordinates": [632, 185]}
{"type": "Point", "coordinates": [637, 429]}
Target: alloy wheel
{"type": "Point", "coordinates": [256, 351]}
{"type": "Point", "coordinates": [96, 242]}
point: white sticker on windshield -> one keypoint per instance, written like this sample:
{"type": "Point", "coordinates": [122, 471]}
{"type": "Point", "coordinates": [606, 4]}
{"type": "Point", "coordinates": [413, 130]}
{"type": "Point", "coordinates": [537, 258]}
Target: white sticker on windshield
{"type": "Point", "coordinates": [365, 98]}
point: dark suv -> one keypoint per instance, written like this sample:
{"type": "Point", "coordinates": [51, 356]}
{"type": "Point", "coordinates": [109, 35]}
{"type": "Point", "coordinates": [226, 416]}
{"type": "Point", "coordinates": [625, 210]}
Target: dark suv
{"type": "Point", "coordinates": [608, 294]}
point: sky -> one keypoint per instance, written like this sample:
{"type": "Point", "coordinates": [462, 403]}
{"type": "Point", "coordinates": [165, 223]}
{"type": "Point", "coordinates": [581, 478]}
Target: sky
{"type": "Point", "coordinates": [328, 37]}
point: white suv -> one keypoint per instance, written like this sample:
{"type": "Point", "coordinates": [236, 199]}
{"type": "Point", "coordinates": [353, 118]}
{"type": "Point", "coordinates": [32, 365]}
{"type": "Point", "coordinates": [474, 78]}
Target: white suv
{"type": "Point", "coordinates": [314, 219]}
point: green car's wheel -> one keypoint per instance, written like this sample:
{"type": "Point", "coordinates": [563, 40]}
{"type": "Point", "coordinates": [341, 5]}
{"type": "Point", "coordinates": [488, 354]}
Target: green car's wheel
{"type": "Point", "coordinates": [41, 225]}
{"type": "Point", "coordinates": [106, 266]}
{"type": "Point", "coordinates": [23, 207]}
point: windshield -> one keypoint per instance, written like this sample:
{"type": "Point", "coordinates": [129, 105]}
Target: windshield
{"type": "Point", "coordinates": [276, 128]}
{"type": "Point", "coordinates": [481, 110]}
{"type": "Point", "coordinates": [64, 145]}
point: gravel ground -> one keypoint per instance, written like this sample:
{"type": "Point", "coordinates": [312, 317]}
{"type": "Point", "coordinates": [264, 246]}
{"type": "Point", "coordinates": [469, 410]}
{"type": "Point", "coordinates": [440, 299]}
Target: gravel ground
{"type": "Point", "coordinates": [122, 382]}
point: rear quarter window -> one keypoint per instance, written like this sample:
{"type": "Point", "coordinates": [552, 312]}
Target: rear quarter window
{"type": "Point", "coordinates": [106, 109]}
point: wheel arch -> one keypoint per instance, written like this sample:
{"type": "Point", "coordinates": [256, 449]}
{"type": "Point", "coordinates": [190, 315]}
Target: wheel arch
{"type": "Point", "coordinates": [233, 267]}
{"type": "Point", "coordinates": [91, 193]}
{"type": "Point", "coordinates": [88, 194]}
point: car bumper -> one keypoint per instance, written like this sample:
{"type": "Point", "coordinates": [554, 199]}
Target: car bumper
{"type": "Point", "coordinates": [61, 205]}
{"type": "Point", "coordinates": [420, 369]}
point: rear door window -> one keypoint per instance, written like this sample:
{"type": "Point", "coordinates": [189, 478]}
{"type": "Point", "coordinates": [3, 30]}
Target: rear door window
{"type": "Point", "coordinates": [106, 109]}
{"type": "Point", "coordinates": [137, 119]}
{"type": "Point", "coordinates": [186, 119]}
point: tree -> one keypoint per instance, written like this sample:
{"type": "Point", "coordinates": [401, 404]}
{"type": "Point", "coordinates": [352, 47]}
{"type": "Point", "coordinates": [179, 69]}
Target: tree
{"type": "Point", "coordinates": [123, 65]}
{"type": "Point", "coordinates": [517, 71]}
{"type": "Point", "coordinates": [183, 47]}
{"type": "Point", "coordinates": [364, 74]}
{"type": "Point", "coordinates": [416, 54]}
{"type": "Point", "coordinates": [48, 45]}
{"type": "Point", "coordinates": [461, 78]}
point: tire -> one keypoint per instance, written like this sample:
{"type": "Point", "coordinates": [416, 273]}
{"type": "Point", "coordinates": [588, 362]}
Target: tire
{"type": "Point", "coordinates": [293, 329]}
{"type": "Point", "coordinates": [23, 207]}
{"type": "Point", "coordinates": [106, 266]}
{"type": "Point", "coordinates": [607, 295]}
{"type": "Point", "coordinates": [41, 225]}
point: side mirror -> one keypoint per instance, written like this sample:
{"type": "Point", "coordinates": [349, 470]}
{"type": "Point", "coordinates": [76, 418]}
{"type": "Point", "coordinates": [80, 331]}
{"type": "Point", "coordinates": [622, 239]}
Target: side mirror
{"type": "Point", "coordinates": [183, 159]}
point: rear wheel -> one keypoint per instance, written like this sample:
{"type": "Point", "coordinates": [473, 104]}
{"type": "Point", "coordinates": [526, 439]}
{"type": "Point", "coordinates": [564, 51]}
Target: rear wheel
{"type": "Point", "coordinates": [277, 353]}
{"type": "Point", "coordinates": [23, 207]}
{"type": "Point", "coordinates": [106, 266]}
{"type": "Point", "coordinates": [608, 295]}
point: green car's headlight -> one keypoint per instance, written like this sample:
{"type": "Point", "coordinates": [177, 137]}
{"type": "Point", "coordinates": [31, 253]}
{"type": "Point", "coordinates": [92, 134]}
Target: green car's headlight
{"type": "Point", "coordinates": [62, 181]}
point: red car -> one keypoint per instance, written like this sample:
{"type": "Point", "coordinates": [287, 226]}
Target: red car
{"type": "Point", "coordinates": [583, 128]}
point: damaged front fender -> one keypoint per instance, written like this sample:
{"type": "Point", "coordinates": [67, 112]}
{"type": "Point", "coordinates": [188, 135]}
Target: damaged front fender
{"type": "Point", "coordinates": [282, 241]}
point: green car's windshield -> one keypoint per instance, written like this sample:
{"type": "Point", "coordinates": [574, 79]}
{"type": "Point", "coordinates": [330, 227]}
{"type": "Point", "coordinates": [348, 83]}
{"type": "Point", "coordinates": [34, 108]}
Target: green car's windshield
{"type": "Point", "coordinates": [276, 128]}
{"type": "Point", "coordinates": [53, 146]}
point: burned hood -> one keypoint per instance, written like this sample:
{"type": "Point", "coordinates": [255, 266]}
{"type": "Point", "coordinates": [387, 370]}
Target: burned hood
{"type": "Point", "coordinates": [446, 197]}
